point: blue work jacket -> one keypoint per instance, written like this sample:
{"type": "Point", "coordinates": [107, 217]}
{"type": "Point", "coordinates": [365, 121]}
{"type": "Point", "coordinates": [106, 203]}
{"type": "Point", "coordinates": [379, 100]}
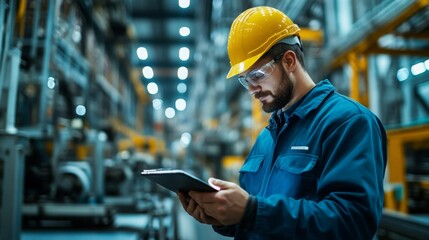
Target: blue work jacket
{"type": "Point", "coordinates": [320, 174]}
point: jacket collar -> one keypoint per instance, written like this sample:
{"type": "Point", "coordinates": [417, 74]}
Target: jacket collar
{"type": "Point", "coordinates": [314, 99]}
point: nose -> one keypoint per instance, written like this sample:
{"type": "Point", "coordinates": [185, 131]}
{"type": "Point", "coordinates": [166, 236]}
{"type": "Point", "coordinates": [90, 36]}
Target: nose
{"type": "Point", "coordinates": [253, 89]}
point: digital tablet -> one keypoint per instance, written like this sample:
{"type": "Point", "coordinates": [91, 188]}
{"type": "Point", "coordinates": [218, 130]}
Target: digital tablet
{"type": "Point", "coordinates": [177, 180]}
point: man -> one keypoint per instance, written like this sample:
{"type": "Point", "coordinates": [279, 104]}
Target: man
{"type": "Point", "coordinates": [316, 171]}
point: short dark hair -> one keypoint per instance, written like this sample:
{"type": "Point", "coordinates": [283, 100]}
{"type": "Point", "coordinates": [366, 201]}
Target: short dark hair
{"type": "Point", "coordinates": [283, 47]}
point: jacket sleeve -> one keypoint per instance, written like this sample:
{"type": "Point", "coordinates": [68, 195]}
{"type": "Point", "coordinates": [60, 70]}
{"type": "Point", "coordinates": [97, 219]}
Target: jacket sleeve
{"type": "Point", "coordinates": [228, 231]}
{"type": "Point", "coordinates": [350, 189]}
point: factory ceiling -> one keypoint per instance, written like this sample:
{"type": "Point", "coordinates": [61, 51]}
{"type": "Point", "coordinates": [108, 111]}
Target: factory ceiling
{"type": "Point", "coordinates": [157, 42]}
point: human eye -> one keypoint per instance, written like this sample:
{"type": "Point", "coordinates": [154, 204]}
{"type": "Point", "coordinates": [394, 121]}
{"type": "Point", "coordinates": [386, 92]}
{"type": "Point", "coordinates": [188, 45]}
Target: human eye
{"type": "Point", "coordinates": [256, 75]}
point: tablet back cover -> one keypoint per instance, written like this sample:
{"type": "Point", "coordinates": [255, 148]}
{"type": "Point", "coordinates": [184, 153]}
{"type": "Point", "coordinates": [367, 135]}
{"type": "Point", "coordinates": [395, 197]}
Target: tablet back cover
{"type": "Point", "coordinates": [178, 180]}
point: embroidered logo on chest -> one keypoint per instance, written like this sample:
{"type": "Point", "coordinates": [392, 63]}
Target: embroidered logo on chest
{"type": "Point", "coordinates": [299, 148]}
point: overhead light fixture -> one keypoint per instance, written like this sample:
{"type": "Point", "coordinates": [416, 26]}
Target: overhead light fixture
{"type": "Point", "coordinates": [418, 68]}
{"type": "Point", "coordinates": [184, 31]}
{"type": "Point", "coordinates": [427, 64]}
{"type": "Point", "coordinates": [157, 103]}
{"type": "Point", "coordinates": [170, 113]}
{"type": "Point", "coordinates": [147, 72]}
{"type": "Point", "coordinates": [142, 53]}
{"type": "Point", "coordinates": [402, 74]}
{"type": "Point", "coordinates": [51, 83]}
{"type": "Point", "coordinates": [182, 73]}
{"type": "Point", "coordinates": [152, 88]}
{"type": "Point", "coordinates": [184, 53]}
{"type": "Point", "coordinates": [184, 3]}
{"type": "Point", "coordinates": [181, 87]}
{"type": "Point", "coordinates": [180, 104]}
{"type": "Point", "coordinates": [80, 110]}
{"type": "Point", "coordinates": [185, 139]}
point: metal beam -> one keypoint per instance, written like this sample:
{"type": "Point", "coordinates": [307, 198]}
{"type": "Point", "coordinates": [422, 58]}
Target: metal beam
{"type": "Point", "coordinates": [372, 35]}
{"type": "Point", "coordinates": [412, 35]}
{"type": "Point", "coordinates": [161, 15]}
{"type": "Point", "coordinates": [309, 35]}
{"type": "Point", "coordinates": [164, 41]}
{"type": "Point", "coordinates": [408, 52]}
{"type": "Point", "coordinates": [12, 152]}
{"type": "Point", "coordinates": [165, 65]}
{"type": "Point", "coordinates": [138, 86]}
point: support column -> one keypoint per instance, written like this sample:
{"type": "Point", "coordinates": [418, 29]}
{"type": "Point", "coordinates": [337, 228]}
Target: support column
{"type": "Point", "coordinates": [359, 71]}
{"type": "Point", "coordinates": [12, 151]}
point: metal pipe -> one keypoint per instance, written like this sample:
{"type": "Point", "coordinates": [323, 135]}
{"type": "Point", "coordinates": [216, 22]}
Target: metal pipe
{"type": "Point", "coordinates": [34, 39]}
{"type": "Point", "coordinates": [46, 57]}
{"type": "Point", "coordinates": [20, 20]}
{"type": "Point", "coordinates": [15, 59]}
{"type": "Point", "coordinates": [8, 38]}
{"type": "Point", "coordinates": [2, 12]}
{"type": "Point", "coordinates": [13, 152]}
{"type": "Point", "coordinates": [378, 17]}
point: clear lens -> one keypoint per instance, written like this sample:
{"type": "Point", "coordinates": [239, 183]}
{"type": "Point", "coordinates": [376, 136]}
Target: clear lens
{"type": "Point", "coordinates": [257, 75]}
{"type": "Point", "coordinates": [243, 81]}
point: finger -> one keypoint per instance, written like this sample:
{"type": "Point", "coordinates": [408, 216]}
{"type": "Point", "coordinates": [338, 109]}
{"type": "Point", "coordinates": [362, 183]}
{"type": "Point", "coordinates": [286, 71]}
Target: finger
{"type": "Point", "coordinates": [192, 207]}
{"type": "Point", "coordinates": [209, 219]}
{"type": "Point", "coordinates": [196, 196]}
{"type": "Point", "coordinates": [183, 200]}
{"type": "Point", "coordinates": [220, 184]}
{"type": "Point", "coordinates": [196, 211]}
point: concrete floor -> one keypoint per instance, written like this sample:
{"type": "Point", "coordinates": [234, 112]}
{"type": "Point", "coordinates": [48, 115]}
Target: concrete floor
{"type": "Point", "coordinates": [128, 227]}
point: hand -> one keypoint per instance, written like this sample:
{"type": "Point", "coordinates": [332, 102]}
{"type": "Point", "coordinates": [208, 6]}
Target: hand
{"type": "Point", "coordinates": [196, 211]}
{"type": "Point", "coordinates": [225, 206]}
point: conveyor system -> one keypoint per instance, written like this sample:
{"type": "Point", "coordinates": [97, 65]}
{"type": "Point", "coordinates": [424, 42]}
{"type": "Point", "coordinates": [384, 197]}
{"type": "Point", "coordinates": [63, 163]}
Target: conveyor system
{"type": "Point", "coordinates": [395, 225]}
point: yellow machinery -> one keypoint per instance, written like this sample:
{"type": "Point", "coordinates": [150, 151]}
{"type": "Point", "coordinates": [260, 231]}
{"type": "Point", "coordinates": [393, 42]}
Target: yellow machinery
{"type": "Point", "coordinates": [397, 140]}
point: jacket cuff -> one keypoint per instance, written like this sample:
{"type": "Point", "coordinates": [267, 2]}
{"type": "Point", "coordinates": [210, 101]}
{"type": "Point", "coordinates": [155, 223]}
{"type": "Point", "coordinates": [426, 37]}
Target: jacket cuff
{"type": "Point", "coordinates": [228, 231]}
{"type": "Point", "coordinates": [248, 220]}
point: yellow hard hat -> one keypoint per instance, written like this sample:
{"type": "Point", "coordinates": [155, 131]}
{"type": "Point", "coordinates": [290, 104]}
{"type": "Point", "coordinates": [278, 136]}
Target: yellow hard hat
{"type": "Point", "coordinates": [253, 33]}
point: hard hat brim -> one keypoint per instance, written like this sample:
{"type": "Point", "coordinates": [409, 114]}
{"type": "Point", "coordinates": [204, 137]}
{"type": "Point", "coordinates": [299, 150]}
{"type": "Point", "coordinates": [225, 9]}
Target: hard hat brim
{"type": "Point", "coordinates": [242, 66]}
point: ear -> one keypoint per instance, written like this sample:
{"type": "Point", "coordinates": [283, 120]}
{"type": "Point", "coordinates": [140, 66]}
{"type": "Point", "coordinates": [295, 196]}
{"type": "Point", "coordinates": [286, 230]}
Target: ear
{"type": "Point", "coordinates": [289, 60]}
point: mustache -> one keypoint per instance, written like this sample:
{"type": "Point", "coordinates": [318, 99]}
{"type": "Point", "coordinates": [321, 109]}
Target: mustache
{"type": "Point", "coordinates": [262, 94]}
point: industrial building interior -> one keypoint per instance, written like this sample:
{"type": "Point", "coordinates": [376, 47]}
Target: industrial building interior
{"type": "Point", "coordinates": [92, 92]}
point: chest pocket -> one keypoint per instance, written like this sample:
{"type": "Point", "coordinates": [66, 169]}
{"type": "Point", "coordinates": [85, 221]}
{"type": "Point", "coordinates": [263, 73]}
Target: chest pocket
{"type": "Point", "coordinates": [295, 175]}
{"type": "Point", "coordinates": [297, 164]}
{"type": "Point", "coordinates": [251, 175]}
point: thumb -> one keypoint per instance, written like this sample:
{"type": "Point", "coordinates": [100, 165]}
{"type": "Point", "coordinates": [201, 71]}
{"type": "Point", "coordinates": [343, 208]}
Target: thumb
{"type": "Point", "coordinates": [219, 184]}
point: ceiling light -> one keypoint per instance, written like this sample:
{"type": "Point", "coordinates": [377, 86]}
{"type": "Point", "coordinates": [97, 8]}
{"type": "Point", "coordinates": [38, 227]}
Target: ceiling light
{"type": "Point", "coordinates": [184, 3]}
{"type": "Point", "coordinates": [170, 113]}
{"type": "Point", "coordinates": [76, 36]}
{"type": "Point", "coordinates": [181, 87]}
{"type": "Point", "coordinates": [51, 83]}
{"type": "Point", "coordinates": [402, 74]}
{"type": "Point", "coordinates": [418, 68]}
{"type": "Point", "coordinates": [80, 110]}
{"type": "Point", "coordinates": [186, 138]}
{"type": "Point", "coordinates": [157, 103]}
{"type": "Point", "coordinates": [427, 64]}
{"type": "Point", "coordinates": [147, 72]}
{"type": "Point", "coordinates": [184, 53]}
{"type": "Point", "coordinates": [142, 53]}
{"type": "Point", "coordinates": [180, 104]}
{"type": "Point", "coordinates": [184, 31]}
{"type": "Point", "coordinates": [182, 73]}
{"type": "Point", "coordinates": [152, 88]}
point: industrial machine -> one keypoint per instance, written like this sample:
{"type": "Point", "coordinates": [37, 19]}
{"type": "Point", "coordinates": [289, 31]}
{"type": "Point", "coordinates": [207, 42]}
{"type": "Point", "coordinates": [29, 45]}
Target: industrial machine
{"type": "Point", "coordinates": [60, 164]}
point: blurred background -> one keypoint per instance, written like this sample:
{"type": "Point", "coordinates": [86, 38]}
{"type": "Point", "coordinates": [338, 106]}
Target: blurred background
{"type": "Point", "coordinates": [92, 92]}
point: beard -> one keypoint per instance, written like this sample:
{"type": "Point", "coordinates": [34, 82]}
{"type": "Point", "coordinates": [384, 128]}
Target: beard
{"type": "Point", "coordinates": [281, 97]}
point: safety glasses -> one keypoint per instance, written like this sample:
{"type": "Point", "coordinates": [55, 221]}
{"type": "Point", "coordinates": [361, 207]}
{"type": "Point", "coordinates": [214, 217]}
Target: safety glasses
{"type": "Point", "coordinates": [259, 74]}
